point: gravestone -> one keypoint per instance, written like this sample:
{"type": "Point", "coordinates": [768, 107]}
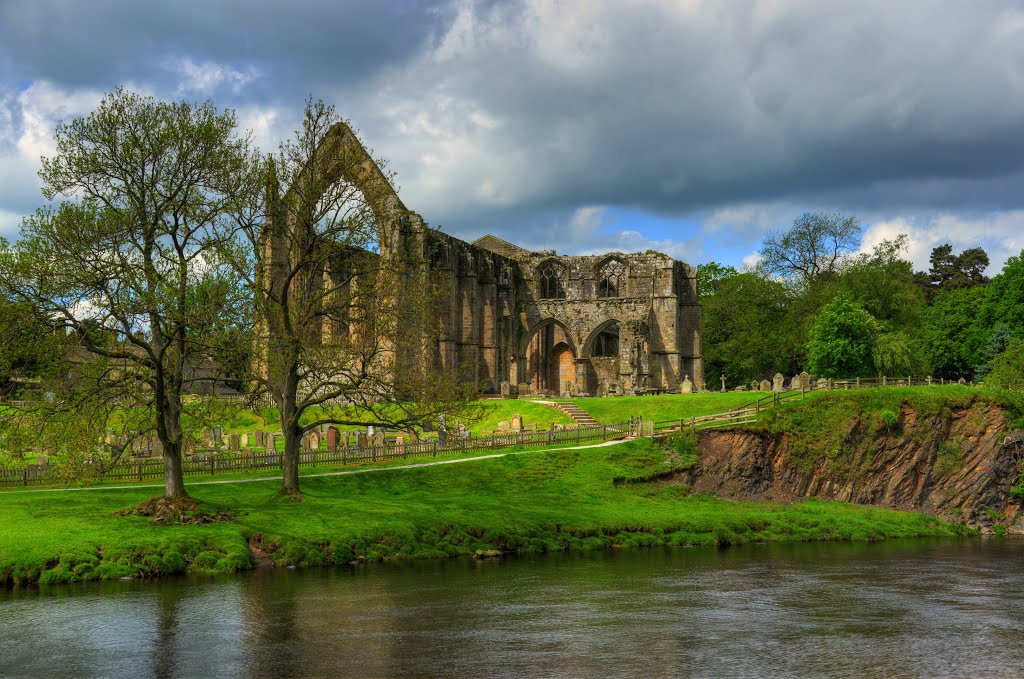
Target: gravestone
{"type": "Point", "coordinates": [523, 389]}
{"type": "Point", "coordinates": [740, 388]}
{"type": "Point", "coordinates": [755, 385]}
{"type": "Point", "coordinates": [259, 438]}
{"type": "Point", "coordinates": [778, 382]}
{"type": "Point", "coordinates": [794, 384]}
{"type": "Point", "coordinates": [805, 380]}
{"type": "Point", "coordinates": [207, 438]}
{"type": "Point", "coordinates": [234, 443]}
{"type": "Point", "coordinates": [218, 437]}
{"type": "Point", "coordinates": [271, 443]}
{"type": "Point", "coordinates": [304, 442]}
{"type": "Point", "coordinates": [822, 383]}
{"type": "Point", "coordinates": [42, 459]}
{"type": "Point", "coordinates": [687, 386]}
{"type": "Point", "coordinates": [517, 422]}
{"type": "Point", "coordinates": [332, 439]}
{"type": "Point", "coordinates": [313, 441]}
{"type": "Point", "coordinates": [400, 443]}
{"type": "Point", "coordinates": [765, 386]}
{"type": "Point", "coordinates": [379, 440]}
{"type": "Point", "coordinates": [243, 440]}
{"type": "Point", "coordinates": [962, 381]}
{"type": "Point", "coordinates": [361, 441]}
{"type": "Point", "coordinates": [723, 382]}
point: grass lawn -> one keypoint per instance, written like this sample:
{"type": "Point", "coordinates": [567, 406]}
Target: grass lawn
{"type": "Point", "coordinates": [665, 407]}
{"type": "Point", "coordinates": [538, 501]}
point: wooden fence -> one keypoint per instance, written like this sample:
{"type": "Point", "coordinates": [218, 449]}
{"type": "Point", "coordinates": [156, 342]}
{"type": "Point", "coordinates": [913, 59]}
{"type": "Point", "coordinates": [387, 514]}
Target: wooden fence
{"type": "Point", "coordinates": [213, 463]}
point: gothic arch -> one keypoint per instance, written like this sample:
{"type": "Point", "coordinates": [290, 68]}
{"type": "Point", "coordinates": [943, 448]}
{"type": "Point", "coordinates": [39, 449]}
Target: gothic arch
{"type": "Point", "coordinates": [550, 353]}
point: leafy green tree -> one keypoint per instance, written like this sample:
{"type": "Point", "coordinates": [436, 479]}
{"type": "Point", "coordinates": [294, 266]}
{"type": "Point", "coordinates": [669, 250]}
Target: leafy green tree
{"type": "Point", "coordinates": [947, 326]}
{"type": "Point", "coordinates": [710, 274]}
{"type": "Point", "coordinates": [1002, 304]}
{"type": "Point", "coordinates": [842, 340]}
{"type": "Point", "coordinates": [150, 189]}
{"type": "Point", "coordinates": [815, 246]}
{"type": "Point", "coordinates": [745, 335]}
{"type": "Point", "coordinates": [1008, 367]}
{"type": "Point", "coordinates": [949, 271]}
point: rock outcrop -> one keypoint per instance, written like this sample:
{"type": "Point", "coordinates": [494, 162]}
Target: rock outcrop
{"type": "Point", "coordinates": [960, 466]}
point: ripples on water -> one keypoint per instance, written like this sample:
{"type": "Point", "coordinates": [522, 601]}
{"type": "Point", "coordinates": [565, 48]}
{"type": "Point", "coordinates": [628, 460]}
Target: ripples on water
{"type": "Point", "coordinates": [917, 609]}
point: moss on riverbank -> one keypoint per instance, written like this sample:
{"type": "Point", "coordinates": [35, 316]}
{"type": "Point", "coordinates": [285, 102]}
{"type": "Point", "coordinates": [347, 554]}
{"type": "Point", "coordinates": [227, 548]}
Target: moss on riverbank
{"type": "Point", "coordinates": [613, 497]}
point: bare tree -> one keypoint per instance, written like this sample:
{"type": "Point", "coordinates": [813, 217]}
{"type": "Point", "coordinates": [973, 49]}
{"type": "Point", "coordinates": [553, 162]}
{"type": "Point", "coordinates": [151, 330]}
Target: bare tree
{"type": "Point", "coordinates": [345, 310]}
{"type": "Point", "coordinates": [815, 246]}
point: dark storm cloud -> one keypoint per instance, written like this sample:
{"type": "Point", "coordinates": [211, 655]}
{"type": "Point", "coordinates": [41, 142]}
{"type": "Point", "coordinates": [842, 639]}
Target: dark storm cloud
{"type": "Point", "coordinates": [512, 116]}
{"type": "Point", "coordinates": [689, 106]}
{"type": "Point", "coordinates": [299, 45]}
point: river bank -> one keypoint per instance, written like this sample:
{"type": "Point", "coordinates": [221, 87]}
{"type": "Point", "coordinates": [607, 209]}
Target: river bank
{"type": "Point", "coordinates": [623, 496]}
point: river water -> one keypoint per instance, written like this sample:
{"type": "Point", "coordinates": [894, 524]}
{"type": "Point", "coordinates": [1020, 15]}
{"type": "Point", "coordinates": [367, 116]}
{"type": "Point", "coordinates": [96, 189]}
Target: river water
{"type": "Point", "coordinates": [906, 609]}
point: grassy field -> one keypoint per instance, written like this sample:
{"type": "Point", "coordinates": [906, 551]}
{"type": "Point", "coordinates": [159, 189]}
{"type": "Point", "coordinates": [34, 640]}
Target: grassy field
{"type": "Point", "coordinates": [664, 407]}
{"type": "Point", "coordinates": [615, 496]}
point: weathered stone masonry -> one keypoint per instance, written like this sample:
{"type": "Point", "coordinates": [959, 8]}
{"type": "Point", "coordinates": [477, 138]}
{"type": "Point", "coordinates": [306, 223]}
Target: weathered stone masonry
{"type": "Point", "coordinates": [534, 320]}
{"type": "Point", "coordinates": [565, 325]}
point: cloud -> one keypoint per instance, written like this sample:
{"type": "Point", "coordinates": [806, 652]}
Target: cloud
{"type": "Point", "coordinates": [207, 77]}
{"type": "Point", "coordinates": [1002, 235]}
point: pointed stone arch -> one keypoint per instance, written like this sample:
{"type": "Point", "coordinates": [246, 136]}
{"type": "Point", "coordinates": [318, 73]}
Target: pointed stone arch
{"type": "Point", "coordinates": [611, 276]}
{"type": "Point", "coordinates": [549, 353]}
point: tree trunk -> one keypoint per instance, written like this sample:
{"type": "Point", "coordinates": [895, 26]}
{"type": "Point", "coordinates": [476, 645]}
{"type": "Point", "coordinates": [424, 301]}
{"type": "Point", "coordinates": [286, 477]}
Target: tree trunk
{"type": "Point", "coordinates": [292, 443]}
{"type": "Point", "coordinates": [174, 480]}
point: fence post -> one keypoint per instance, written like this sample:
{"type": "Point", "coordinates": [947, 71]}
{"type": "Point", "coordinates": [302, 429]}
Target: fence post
{"type": "Point", "coordinates": [213, 465]}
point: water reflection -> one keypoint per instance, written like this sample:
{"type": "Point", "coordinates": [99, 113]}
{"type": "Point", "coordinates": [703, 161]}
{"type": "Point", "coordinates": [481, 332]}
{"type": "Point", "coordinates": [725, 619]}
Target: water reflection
{"type": "Point", "coordinates": [899, 609]}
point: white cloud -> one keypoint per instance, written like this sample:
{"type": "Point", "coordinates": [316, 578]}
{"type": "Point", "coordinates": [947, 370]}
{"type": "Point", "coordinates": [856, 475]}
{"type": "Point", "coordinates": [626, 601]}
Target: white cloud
{"type": "Point", "coordinates": [1001, 234]}
{"type": "Point", "coordinates": [206, 77]}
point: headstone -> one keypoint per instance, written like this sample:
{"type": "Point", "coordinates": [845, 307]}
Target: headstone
{"type": "Point", "coordinates": [778, 382]}
{"type": "Point", "coordinates": [400, 443]}
{"type": "Point", "coordinates": [259, 438]}
{"type": "Point", "coordinates": [687, 386]}
{"type": "Point", "coordinates": [506, 390]}
{"type": "Point", "coordinates": [503, 425]}
{"type": "Point", "coordinates": [805, 380]}
{"type": "Point", "coordinates": [332, 439]}
{"type": "Point", "coordinates": [243, 440]}
{"type": "Point", "coordinates": [723, 382]}
{"type": "Point", "coordinates": [378, 439]}
{"type": "Point", "coordinates": [304, 442]}
{"type": "Point", "coordinates": [234, 443]}
{"type": "Point", "coordinates": [361, 441]}
{"type": "Point", "coordinates": [755, 386]}
{"type": "Point", "coordinates": [962, 381]}
{"type": "Point", "coordinates": [765, 386]}
{"type": "Point", "coordinates": [218, 437]}
{"type": "Point", "coordinates": [207, 438]}
{"type": "Point", "coordinates": [517, 422]}
{"type": "Point", "coordinates": [524, 389]}
{"type": "Point", "coordinates": [740, 388]}
{"type": "Point", "coordinates": [313, 441]}
{"type": "Point", "coordinates": [822, 383]}
{"type": "Point", "coordinates": [371, 430]}
{"type": "Point", "coordinates": [794, 384]}
{"type": "Point", "coordinates": [271, 443]}
{"type": "Point", "coordinates": [42, 459]}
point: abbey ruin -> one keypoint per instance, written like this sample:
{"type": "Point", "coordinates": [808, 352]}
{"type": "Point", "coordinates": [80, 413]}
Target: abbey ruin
{"type": "Point", "coordinates": [517, 321]}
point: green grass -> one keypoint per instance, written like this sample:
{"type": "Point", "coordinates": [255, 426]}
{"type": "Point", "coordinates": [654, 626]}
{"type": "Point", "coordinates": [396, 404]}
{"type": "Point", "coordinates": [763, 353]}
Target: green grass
{"type": "Point", "coordinates": [665, 407]}
{"type": "Point", "coordinates": [616, 496]}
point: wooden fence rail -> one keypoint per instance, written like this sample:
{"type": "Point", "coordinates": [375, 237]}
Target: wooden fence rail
{"type": "Point", "coordinates": [213, 463]}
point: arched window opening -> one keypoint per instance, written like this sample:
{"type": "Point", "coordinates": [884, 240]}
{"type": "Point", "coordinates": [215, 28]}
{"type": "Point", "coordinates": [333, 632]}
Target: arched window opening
{"type": "Point", "coordinates": [611, 279]}
{"type": "Point", "coordinates": [552, 281]}
{"type": "Point", "coordinates": [607, 342]}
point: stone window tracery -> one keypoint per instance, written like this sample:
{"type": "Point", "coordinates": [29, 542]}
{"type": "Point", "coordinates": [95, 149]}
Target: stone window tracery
{"type": "Point", "coordinates": [551, 279]}
{"type": "Point", "coordinates": [611, 279]}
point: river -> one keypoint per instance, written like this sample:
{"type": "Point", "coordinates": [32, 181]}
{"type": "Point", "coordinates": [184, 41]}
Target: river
{"type": "Point", "coordinates": [901, 609]}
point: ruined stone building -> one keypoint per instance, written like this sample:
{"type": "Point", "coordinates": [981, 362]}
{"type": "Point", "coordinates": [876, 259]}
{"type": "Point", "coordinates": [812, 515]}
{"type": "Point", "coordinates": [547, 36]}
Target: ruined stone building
{"type": "Point", "coordinates": [565, 325]}
{"type": "Point", "coordinates": [515, 319]}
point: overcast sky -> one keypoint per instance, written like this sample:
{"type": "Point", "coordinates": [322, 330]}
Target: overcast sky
{"type": "Point", "coordinates": [689, 127]}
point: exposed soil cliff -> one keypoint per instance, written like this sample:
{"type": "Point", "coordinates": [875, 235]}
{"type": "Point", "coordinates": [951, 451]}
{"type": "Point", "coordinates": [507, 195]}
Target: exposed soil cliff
{"type": "Point", "coordinates": [960, 464]}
